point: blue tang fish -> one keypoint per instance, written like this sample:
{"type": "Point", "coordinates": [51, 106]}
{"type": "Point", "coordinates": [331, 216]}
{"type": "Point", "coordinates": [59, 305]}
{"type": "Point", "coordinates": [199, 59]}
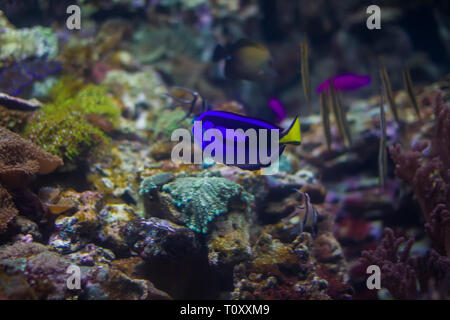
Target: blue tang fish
{"type": "Point", "coordinates": [248, 145]}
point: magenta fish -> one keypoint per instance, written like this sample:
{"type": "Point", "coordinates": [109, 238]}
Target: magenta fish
{"type": "Point", "coordinates": [278, 109]}
{"type": "Point", "coordinates": [345, 82]}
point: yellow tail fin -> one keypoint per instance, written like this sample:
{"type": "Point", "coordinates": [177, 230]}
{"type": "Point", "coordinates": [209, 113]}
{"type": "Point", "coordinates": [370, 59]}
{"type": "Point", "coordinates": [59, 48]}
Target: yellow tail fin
{"type": "Point", "coordinates": [293, 134]}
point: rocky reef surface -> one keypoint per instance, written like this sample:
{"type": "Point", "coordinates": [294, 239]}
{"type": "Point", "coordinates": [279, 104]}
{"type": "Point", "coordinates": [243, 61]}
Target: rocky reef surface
{"type": "Point", "coordinates": [87, 180]}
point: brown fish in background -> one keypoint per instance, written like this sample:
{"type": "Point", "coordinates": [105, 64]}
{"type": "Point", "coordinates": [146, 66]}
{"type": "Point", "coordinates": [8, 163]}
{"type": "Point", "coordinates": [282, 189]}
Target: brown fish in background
{"type": "Point", "coordinates": [245, 60]}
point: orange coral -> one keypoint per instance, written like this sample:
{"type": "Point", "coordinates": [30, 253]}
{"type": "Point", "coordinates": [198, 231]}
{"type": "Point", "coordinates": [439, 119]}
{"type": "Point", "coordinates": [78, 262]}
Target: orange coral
{"type": "Point", "coordinates": [20, 159]}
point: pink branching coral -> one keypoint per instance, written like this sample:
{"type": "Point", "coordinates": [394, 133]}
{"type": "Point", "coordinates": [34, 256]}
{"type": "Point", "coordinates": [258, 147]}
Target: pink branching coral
{"type": "Point", "coordinates": [406, 277]}
{"type": "Point", "coordinates": [397, 275]}
{"type": "Point", "coordinates": [426, 168]}
{"type": "Point", "coordinates": [433, 274]}
{"type": "Point", "coordinates": [429, 176]}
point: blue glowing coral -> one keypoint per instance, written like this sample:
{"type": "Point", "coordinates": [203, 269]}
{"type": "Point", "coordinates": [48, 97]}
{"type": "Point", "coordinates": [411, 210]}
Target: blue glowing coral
{"type": "Point", "coordinates": [201, 199]}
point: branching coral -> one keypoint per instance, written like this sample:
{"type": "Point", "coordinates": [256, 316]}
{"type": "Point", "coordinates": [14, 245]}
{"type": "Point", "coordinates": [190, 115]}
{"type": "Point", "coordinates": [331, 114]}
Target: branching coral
{"type": "Point", "coordinates": [433, 274]}
{"type": "Point", "coordinates": [426, 168]}
{"type": "Point", "coordinates": [396, 274]}
{"type": "Point", "coordinates": [429, 175]}
{"type": "Point", "coordinates": [409, 277]}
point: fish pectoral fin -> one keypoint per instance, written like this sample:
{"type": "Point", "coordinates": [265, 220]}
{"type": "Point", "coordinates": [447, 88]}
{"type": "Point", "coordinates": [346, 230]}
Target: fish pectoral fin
{"type": "Point", "coordinates": [293, 134]}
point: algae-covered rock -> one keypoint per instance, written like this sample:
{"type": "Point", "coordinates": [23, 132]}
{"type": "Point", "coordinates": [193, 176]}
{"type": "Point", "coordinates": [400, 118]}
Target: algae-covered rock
{"type": "Point", "coordinates": [169, 121]}
{"type": "Point", "coordinates": [229, 240]}
{"type": "Point", "coordinates": [20, 44]}
{"type": "Point", "coordinates": [76, 121]}
{"type": "Point", "coordinates": [74, 231]}
{"type": "Point", "coordinates": [33, 271]}
{"type": "Point", "coordinates": [279, 271]}
{"type": "Point", "coordinates": [136, 89]}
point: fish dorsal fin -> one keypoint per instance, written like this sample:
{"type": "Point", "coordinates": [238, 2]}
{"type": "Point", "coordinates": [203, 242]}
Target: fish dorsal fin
{"type": "Point", "coordinates": [293, 134]}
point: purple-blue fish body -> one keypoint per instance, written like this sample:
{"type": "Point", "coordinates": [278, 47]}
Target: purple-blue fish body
{"type": "Point", "coordinates": [240, 144]}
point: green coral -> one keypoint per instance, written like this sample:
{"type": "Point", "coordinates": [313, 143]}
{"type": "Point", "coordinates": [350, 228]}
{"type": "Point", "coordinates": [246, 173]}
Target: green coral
{"type": "Point", "coordinates": [20, 44]}
{"type": "Point", "coordinates": [90, 99]}
{"type": "Point", "coordinates": [169, 121]}
{"type": "Point", "coordinates": [66, 88]}
{"type": "Point", "coordinates": [61, 128]}
{"type": "Point", "coordinates": [133, 89]}
{"type": "Point", "coordinates": [64, 132]}
{"type": "Point", "coordinates": [155, 182]}
{"type": "Point", "coordinates": [201, 199]}
{"type": "Point", "coordinates": [94, 100]}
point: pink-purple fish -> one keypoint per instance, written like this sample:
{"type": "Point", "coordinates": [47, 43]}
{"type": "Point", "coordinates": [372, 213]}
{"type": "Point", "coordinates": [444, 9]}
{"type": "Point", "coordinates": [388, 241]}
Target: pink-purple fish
{"type": "Point", "coordinates": [277, 107]}
{"type": "Point", "coordinates": [345, 82]}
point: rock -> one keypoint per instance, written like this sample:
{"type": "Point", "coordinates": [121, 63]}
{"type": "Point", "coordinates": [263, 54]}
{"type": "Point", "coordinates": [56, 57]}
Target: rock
{"type": "Point", "coordinates": [115, 283]}
{"type": "Point", "coordinates": [75, 231]}
{"type": "Point", "coordinates": [229, 240]}
{"type": "Point", "coordinates": [113, 218]}
{"type": "Point", "coordinates": [32, 271]}
{"type": "Point", "coordinates": [20, 44]}
{"type": "Point", "coordinates": [279, 271]}
{"type": "Point", "coordinates": [161, 239]}
{"type": "Point", "coordinates": [26, 227]}
{"type": "Point", "coordinates": [91, 255]}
